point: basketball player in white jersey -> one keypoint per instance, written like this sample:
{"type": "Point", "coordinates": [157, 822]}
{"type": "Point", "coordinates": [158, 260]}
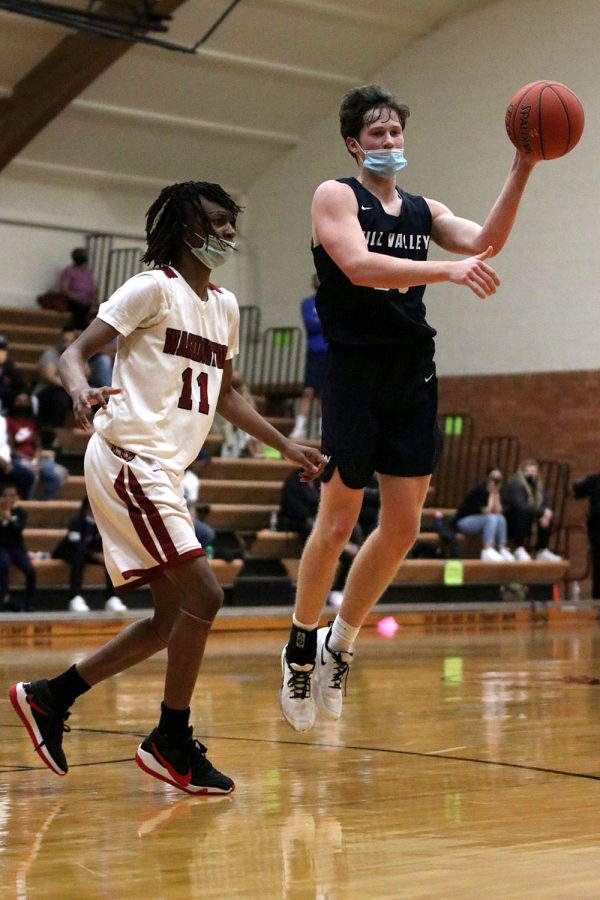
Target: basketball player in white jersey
{"type": "Point", "coordinates": [177, 334]}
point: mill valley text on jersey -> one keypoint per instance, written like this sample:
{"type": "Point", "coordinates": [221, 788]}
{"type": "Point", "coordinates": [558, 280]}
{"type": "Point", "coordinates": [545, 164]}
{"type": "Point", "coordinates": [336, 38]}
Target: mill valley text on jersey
{"type": "Point", "coordinates": [361, 315]}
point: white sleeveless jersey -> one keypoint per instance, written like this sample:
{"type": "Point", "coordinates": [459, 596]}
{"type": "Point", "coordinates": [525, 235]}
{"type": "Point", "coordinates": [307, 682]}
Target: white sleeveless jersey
{"type": "Point", "coordinates": [171, 350]}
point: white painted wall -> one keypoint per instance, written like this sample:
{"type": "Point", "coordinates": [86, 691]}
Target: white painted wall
{"type": "Point", "coordinates": [457, 82]}
{"type": "Point", "coordinates": [44, 214]}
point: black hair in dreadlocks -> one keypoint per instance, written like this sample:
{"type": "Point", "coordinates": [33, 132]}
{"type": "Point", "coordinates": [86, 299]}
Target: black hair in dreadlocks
{"type": "Point", "coordinates": [177, 206]}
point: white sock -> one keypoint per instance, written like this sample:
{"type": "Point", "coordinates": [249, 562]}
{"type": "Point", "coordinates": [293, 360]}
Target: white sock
{"type": "Point", "coordinates": [300, 423]}
{"type": "Point", "coordinates": [304, 627]}
{"type": "Point", "coordinates": [342, 635]}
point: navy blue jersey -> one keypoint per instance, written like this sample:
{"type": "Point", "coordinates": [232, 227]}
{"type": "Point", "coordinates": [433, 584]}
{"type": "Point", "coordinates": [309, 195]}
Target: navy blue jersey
{"type": "Point", "coordinates": [352, 314]}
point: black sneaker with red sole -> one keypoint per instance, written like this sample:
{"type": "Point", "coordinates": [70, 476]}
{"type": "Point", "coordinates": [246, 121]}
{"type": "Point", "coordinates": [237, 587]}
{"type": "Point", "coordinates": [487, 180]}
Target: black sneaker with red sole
{"type": "Point", "coordinates": [45, 724]}
{"type": "Point", "coordinates": [181, 763]}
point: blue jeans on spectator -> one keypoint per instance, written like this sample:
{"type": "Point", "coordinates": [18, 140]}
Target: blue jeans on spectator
{"type": "Point", "coordinates": [204, 533]}
{"type": "Point", "coordinates": [19, 557]}
{"type": "Point", "coordinates": [101, 367]}
{"type": "Point", "coordinates": [21, 476]}
{"type": "Point", "coordinates": [491, 525]}
{"type": "Point", "coordinates": [51, 478]}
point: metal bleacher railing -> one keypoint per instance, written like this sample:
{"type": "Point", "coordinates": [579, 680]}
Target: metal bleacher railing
{"type": "Point", "coordinates": [277, 373]}
{"type": "Point", "coordinates": [452, 473]}
{"type": "Point", "coordinates": [502, 452]}
{"type": "Point", "coordinates": [111, 265]}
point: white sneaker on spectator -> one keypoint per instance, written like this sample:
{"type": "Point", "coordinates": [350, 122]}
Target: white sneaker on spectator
{"type": "Point", "coordinates": [298, 434]}
{"type": "Point", "coordinates": [548, 556]}
{"type": "Point", "coordinates": [115, 604]}
{"type": "Point", "coordinates": [488, 554]}
{"type": "Point", "coordinates": [78, 604]}
{"type": "Point", "coordinates": [506, 554]}
{"type": "Point", "coordinates": [335, 598]}
{"type": "Point", "coordinates": [521, 555]}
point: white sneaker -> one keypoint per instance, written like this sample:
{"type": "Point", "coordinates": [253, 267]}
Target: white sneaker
{"type": "Point", "coordinates": [298, 434]}
{"type": "Point", "coordinates": [78, 604]}
{"type": "Point", "coordinates": [331, 672]}
{"type": "Point", "coordinates": [335, 598]}
{"type": "Point", "coordinates": [488, 554]}
{"type": "Point", "coordinates": [548, 556]}
{"type": "Point", "coordinates": [506, 554]}
{"type": "Point", "coordinates": [296, 698]}
{"type": "Point", "coordinates": [115, 604]}
{"type": "Point", "coordinates": [521, 555]}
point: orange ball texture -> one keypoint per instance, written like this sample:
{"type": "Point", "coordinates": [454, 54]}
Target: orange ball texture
{"type": "Point", "coordinates": [544, 119]}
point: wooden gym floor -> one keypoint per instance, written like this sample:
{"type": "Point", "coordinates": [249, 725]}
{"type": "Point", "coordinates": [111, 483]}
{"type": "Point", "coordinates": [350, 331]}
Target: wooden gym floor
{"type": "Point", "coordinates": [467, 765]}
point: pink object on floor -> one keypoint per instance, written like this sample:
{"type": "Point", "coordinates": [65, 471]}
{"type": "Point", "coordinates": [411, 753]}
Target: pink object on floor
{"type": "Point", "coordinates": [387, 627]}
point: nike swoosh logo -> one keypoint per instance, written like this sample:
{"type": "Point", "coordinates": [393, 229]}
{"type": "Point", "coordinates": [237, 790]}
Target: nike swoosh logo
{"type": "Point", "coordinates": [366, 207]}
{"type": "Point", "coordinates": [428, 378]}
{"type": "Point", "coordinates": [177, 777]}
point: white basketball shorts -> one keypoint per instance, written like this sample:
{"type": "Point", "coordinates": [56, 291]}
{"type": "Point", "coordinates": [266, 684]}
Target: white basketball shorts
{"type": "Point", "coordinates": [142, 517]}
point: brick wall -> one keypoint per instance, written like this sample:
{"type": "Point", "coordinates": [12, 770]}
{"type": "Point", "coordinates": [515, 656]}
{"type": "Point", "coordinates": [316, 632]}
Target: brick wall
{"type": "Point", "coordinates": [555, 415]}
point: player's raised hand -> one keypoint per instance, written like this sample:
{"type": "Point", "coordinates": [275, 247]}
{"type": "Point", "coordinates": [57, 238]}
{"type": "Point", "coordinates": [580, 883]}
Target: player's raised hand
{"type": "Point", "coordinates": [309, 459]}
{"type": "Point", "coordinates": [476, 274]}
{"type": "Point", "coordinates": [87, 397]}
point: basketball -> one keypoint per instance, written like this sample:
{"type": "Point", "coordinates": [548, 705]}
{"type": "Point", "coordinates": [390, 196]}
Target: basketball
{"type": "Point", "coordinates": [544, 119]}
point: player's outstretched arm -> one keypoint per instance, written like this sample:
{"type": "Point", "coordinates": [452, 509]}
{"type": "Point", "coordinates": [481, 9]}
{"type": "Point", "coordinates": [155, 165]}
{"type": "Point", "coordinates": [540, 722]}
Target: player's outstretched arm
{"type": "Point", "coordinates": [336, 227]}
{"type": "Point", "coordinates": [72, 368]}
{"type": "Point", "coordinates": [236, 409]}
{"type": "Point", "coordinates": [460, 235]}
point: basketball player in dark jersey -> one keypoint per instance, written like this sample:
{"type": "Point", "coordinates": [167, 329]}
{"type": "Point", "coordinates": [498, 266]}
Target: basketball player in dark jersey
{"type": "Point", "coordinates": [379, 403]}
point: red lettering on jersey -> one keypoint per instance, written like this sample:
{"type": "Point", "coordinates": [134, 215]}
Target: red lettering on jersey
{"type": "Point", "coordinates": [194, 347]}
{"type": "Point", "coordinates": [171, 340]}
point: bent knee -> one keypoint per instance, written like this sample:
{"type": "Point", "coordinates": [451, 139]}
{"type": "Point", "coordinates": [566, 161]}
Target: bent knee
{"type": "Point", "coordinates": [400, 537]}
{"type": "Point", "coordinates": [206, 602]}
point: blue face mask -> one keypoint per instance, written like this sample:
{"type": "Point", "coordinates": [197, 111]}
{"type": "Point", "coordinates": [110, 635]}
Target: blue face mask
{"type": "Point", "coordinates": [214, 252]}
{"type": "Point", "coordinates": [383, 163]}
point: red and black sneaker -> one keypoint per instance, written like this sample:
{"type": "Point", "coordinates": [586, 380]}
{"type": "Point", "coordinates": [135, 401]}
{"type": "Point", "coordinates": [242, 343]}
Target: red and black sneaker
{"type": "Point", "coordinates": [34, 705]}
{"type": "Point", "coordinates": [182, 763]}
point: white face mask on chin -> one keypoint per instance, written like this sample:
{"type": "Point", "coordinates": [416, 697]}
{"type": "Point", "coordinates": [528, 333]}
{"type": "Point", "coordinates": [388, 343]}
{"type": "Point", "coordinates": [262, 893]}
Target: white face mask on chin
{"type": "Point", "coordinates": [213, 252]}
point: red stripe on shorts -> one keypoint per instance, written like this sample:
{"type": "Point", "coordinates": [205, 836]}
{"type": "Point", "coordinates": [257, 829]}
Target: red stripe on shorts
{"type": "Point", "coordinates": [136, 516]}
{"type": "Point", "coordinates": [154, 517]}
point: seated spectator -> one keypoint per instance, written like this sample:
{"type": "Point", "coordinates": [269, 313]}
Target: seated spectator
{"type": "Point", "coordinates": [81, 546]}
{"type": "Point", "coordinates": [589, 488]}
{"type": "Point", "coordinates": [101, 369]}
{"type": "Point", "coordinates": [11, 379]}
{"type": "Point", "coordinates": [236, 443]}
{"type": "Point", "coordinates": [298, 505]}
{"type": "Point", "coordinates": [481, 512]}
{"type": "Point", "coordinates": [191, 491]}
{"type": "Point", "coordinates": [12, 471]}
{"type": "Point", "coordinates": [54, 404]}
{"type": "Point", "coordinates": [24, 440]}
{"type": "Point", "coordinates": [13, 520]}
{"type": "Point", "coordinates": [78, 285]}
{"type": "Point", "coordinates": [527, 506]}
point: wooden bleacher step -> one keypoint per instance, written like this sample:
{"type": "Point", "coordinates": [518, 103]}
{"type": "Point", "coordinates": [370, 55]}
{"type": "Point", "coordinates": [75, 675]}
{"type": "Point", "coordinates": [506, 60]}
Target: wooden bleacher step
{"type": "Point", "coordinates": [54, 573]}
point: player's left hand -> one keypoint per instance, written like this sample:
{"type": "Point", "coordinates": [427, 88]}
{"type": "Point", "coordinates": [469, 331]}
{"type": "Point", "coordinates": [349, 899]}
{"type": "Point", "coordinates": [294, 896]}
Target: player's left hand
{"type": "Point", "coordinates": [85, 398]}
{"type": "Point", "coordinates": [309, 459]}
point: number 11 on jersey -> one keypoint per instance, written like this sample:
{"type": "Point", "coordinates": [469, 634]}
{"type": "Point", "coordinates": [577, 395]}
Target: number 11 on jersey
{"type": "Point", "coordinates": [185, 398]}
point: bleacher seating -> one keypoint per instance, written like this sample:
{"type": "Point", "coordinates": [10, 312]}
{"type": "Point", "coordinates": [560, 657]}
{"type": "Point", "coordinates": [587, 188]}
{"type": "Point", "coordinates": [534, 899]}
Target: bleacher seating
{"type": "Point", "coordinates": [241, 494]}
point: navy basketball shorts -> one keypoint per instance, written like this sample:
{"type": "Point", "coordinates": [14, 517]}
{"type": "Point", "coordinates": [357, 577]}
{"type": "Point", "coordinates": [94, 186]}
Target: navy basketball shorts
{"type": "Point", "coordinates": [379, 408]}
{"type": "Point", "coordinates": [314, 371]}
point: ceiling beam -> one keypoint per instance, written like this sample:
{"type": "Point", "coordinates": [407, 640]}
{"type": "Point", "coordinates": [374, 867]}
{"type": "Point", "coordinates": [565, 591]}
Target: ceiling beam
{"type": "Point", "coordinates": [68, 69]}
